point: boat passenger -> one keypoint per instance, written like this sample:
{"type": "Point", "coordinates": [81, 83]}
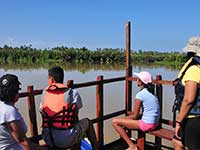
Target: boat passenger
{"type": "Point", "coordinates": [12, 126]}
{"type": "Point", "coordinates": [150, 116]}
{"type": "Point", "coordinates": [59, 107]}
{"type": "Point", "coordinates": [187, 131]}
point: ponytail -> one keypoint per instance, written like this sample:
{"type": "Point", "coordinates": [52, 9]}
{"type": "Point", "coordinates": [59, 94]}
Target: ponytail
{"type": "Point", "coordinates": [150, 87]}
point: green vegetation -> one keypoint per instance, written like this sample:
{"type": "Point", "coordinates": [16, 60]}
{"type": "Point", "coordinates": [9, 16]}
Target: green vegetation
{"type": "Point", "coordinates": [29, 55]}
{"type": "Point", "coordinates": [160, 58]}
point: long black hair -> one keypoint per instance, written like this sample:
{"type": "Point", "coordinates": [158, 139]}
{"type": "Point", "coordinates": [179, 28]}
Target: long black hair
{"type": "Point", "coordinates": [150, 87]}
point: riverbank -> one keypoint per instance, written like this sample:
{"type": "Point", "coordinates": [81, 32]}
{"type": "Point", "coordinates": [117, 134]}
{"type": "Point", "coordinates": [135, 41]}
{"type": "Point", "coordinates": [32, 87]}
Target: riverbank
{"type": "Point", "coordinates": [29, 55]}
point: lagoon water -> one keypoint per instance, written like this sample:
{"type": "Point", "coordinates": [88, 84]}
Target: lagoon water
{"type": "Point", "coordinates": [114, 93]}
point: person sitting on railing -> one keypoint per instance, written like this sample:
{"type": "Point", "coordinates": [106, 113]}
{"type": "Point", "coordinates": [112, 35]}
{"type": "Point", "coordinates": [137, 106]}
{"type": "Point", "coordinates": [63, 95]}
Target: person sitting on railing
{"type": "Point", "coordinates": [187, 131]}
{"type": "Point", "coordinates": [12, 126]}
{"type": "Point", "coordinates": [59, 109]}
{"type": "Point", "coordinates": [149, 103]}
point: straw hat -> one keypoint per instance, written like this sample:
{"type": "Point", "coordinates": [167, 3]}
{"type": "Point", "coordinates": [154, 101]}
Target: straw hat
{"type": "Point", "coordinates": [193, 45]}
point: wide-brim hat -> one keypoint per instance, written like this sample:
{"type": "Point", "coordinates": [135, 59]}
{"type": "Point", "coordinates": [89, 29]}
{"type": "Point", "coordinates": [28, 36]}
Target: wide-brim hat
{"type": "Point", "coordinates": [144, 76]}
{"type": "Point", "coordinates": [193, 45]}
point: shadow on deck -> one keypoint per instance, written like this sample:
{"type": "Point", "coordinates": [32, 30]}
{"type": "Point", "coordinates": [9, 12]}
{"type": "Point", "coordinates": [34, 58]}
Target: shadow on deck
{"type": "Point", "coordinates": [121, 145]}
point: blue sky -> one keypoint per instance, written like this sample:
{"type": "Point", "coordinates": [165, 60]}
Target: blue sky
{"type": "Point", "coordinates": [155, 24]}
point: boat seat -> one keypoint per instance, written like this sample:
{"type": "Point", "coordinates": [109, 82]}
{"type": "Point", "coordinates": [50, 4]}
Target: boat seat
{"type": "Point", "coordinates": [163, 133]}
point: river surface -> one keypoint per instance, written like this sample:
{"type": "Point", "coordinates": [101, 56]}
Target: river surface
{"type": "Point", "coordinates": [114, 93]}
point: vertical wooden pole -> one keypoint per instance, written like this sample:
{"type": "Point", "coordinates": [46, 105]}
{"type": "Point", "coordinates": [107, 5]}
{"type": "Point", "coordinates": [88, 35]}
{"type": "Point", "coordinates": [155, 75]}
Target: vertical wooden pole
{"type": "Point", "coordinates": [99, 111]}
{"type": "Point", "coordinates": [70, 83]}
{"type": "Point", "coordinates": [128, 92]}
{"type": "Point", "coordinates": [32, 114]}
{"type": "Point", "coordinates": [128, 67]}
{"type": "Point", "coordinates": [128, 44]}
{"type": "Point", "coordinates": [159, 94]}
{"type": "Point", "coordinates": [141, 140]}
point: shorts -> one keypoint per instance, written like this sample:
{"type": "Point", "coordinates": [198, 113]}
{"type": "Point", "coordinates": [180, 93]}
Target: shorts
{"type": "Point", "coordinates": [147, 126]}
{"type": "Point", "coordinates": [191, 128]}
{"type": "Point", "coordinates": [68, 137]}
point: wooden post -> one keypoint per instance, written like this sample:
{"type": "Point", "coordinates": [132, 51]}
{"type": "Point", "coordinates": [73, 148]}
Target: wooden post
{"type": "Point", "coordinates": [32, 114]}
{"type": "Point", "coordinates": [128, 68]}
{"type": "Point", "coordinates": [159, 92]}
{"type": "Point", "coordinates": [99, 111]}
{"type": "Point", "coordinates": [128, 92]}
{"type": "Point", "coordinates": [70, 83]}
{"type": "Point", "coordinates": [141, 140]}
{"type": "Point", "coordinates": [128, 44]}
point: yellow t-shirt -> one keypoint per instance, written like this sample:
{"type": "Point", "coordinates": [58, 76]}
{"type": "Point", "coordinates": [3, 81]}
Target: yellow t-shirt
{"type": "Point", "coordinates": [191, 74]}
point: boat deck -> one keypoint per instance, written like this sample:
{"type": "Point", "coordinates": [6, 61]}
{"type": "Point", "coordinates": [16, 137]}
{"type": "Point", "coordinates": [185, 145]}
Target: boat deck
{"type": "Point", "coordinates": [121, 145]}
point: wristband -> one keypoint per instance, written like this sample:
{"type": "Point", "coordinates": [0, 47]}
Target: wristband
{"type": "Point", "coordinates": [178, 122]}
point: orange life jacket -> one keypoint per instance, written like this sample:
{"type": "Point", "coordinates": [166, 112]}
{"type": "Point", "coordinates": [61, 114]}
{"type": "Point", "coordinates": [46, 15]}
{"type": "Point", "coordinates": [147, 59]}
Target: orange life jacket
{"type": "Point", "coordinates": [56, 110]}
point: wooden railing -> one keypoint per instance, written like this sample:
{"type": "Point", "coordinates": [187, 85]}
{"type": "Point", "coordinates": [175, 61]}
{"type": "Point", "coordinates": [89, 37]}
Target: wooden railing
{"type": "Point", "coordinates": [99, 83]}
{"type": "Point", "coordinates": [30, 94]}
{"type": "Point", "coordinates": [100, 116]}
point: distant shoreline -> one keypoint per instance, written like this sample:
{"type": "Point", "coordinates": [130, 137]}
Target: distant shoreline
{"type": "Point", "coordinates": [28, 55]}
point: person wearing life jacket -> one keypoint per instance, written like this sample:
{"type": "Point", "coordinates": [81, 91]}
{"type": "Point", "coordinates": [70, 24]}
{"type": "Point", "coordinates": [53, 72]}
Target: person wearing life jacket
{"type": "Point", "coordinates": [59, 106]}
{"type": "Point", "coordinates": [187, 131]}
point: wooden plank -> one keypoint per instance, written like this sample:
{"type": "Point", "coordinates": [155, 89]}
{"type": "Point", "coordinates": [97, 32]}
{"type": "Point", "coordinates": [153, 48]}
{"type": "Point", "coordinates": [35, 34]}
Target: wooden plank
{"type": "Point", "coordinates": [163, 82]}
{"type": "Point", "coordinates": [93, 83]}
{"type": "Point", "coordinates": [163, 133]}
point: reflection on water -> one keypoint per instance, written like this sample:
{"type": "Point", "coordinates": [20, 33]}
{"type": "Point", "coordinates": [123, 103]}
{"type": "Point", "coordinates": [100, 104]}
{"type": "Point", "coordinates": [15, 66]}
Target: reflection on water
{"type": "Point", "coordinates": [114, 93]}
{"type": "Point", "coordinates": [83, 68]}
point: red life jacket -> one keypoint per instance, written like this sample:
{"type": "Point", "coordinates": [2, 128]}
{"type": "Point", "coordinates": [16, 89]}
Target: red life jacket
{"type": "Point", "coordinates": [56, 110]}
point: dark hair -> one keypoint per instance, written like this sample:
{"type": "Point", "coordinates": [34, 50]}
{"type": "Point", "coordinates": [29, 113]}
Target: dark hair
{"type": "Point", "coordinates": [9, 87]}
{"type": "Point", "coordinates": [150, 87]}
{"type": "Point", "coordinates": [189, 55]}
{"type": "Point", "coordinates": [57, 73]}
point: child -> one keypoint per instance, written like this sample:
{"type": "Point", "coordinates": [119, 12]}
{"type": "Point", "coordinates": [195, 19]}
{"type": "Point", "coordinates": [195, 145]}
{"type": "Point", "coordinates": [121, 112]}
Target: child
{"type": "Point", "coordinates": [146, 100]}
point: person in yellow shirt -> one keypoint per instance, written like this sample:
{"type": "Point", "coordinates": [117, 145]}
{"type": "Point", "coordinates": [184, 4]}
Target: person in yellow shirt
{"type": "Point", "coordinates": [187, 130]}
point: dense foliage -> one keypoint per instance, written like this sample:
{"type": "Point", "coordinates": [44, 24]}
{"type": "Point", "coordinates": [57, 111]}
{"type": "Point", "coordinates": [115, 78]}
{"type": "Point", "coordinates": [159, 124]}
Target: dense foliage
{"type": "Point", "coordinates": [27, 54]}
{"type": "Point", "coordinates": [155, 57]}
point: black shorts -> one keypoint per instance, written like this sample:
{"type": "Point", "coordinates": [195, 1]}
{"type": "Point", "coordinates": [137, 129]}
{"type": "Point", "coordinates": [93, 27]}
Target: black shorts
{"type": "Point", "coordinates": [192, 133]}
{"type": "Point", "coordinates": [81, 128]}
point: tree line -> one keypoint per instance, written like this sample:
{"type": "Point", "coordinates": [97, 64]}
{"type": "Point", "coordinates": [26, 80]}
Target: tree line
{"type": "Point", "coordinates": [27, 54]}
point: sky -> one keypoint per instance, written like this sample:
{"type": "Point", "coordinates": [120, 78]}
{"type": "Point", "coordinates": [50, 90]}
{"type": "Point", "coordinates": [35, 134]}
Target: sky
{"type": "Point", "coordinates": [155, 24]}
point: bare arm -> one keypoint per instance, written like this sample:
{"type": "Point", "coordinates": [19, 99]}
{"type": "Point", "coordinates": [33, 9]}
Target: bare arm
{"type": "Point", "coordinates": [20, 137]}
{"type": "Point", "coordinates": [136, 112]}
{"type": "Point", "coordinates": [189, 97]}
